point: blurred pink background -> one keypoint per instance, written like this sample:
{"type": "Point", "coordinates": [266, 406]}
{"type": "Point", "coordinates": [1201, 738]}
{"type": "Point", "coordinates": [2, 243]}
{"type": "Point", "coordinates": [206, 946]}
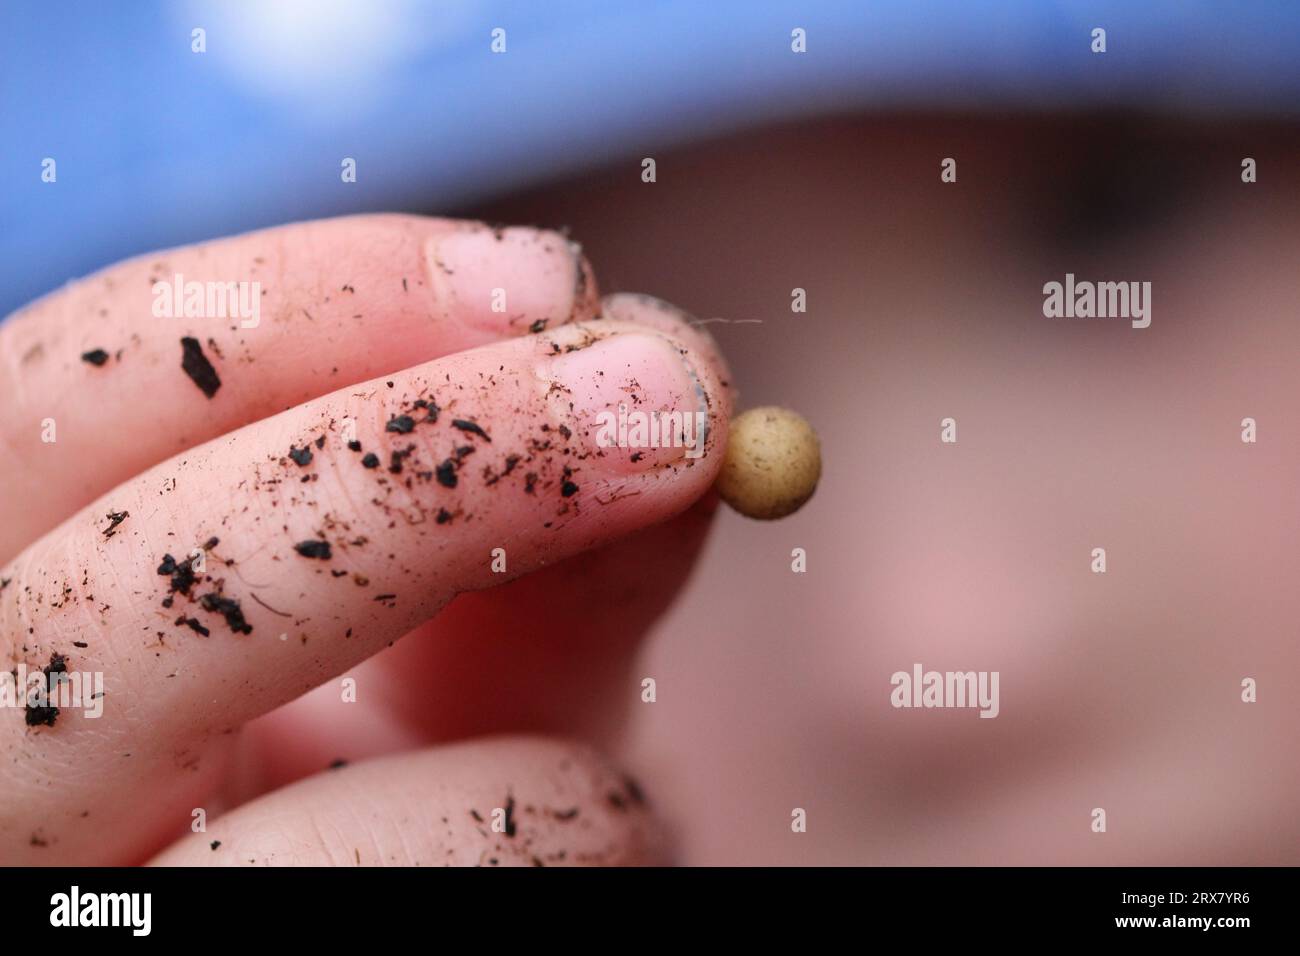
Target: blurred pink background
{"type": "Point", "coordinates": [1119, 691]}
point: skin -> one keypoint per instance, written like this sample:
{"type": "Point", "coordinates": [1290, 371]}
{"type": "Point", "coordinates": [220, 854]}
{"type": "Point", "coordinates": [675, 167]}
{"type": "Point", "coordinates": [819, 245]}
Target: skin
{"type": "Point", "coordinates": [339, 364]}
{"type": "Point", "coordinates": [569, 808]}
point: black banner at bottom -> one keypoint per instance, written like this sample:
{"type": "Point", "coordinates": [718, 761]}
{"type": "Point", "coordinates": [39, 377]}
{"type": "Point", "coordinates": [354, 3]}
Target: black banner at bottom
{"type": "Point", "coordinates": [303, 905]}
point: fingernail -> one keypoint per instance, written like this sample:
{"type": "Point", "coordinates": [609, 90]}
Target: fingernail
{"type": "Point", "coordinates": [672, 320]}
{"type": "Point", "coordinates": [632, 400]}
{"type": "Point", "coordinates": [507, 280]}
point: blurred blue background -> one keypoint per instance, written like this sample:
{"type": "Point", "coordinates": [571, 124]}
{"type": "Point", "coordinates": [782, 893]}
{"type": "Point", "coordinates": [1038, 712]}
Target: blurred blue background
{"type": "Point", "coordinates": [156, 145]}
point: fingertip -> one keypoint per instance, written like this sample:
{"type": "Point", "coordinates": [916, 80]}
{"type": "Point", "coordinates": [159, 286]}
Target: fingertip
{"type": "Point", "coordinates": [672, 320]}
{"type": "Point", "coordinates": [509, 280]}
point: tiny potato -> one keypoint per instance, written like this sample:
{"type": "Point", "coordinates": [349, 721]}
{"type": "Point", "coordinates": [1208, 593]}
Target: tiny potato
{"type": "Point", "coordinates": [772, 464]}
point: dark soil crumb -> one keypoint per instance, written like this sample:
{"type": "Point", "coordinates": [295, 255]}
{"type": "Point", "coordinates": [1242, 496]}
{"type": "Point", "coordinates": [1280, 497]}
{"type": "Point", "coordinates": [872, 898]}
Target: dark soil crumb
{"type": "Point", "coordinates": [370, 461]}
{"type": "Point", "coordinates": [95, 356]}
{"type": "Point", "coordinates": [402, 424]}
{"type": "Point", "coordinates": [46, 714]}
{"type": "Point", "coordinates": [314, 549]}
{"type": "Point", "coordinates": [320, 442]}
{"type": "Point", "coordinates": [395, 460]}
{"type": "Point", "coordinates": [443, 516]}
{"type": "Point", "coordinates": [198, 368]}
{"type": "Point", "coordinates": [301, 456]}
{"type": "Point", "coordinates": [491, 477]}
{"type": "Point", "coordinates": [229, 609]}
{"type": "Point", "coordinates": [510, 816]}
{"type": "Point", "coordinates": [338, 762]}
{"type": "Point", "coordinates": [194, 624]}
{"type": "Point", "coordinates": [568, 489]}
{"type": "Point", "coordinates": [472, 427]}
{"type": "Point", "coordinates": [115, 518]}
{"type": "Point", "coordinates": [181, 573]}
{"type": "Point", "coordinates": [446, 473]}
{"type": "Point", "coordinates": [354, 446]}
{"type": "Point", "coordinates": [214, 844]}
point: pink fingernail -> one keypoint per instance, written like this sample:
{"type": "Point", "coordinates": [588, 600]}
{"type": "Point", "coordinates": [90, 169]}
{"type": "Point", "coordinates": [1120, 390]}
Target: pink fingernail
{"type": "Point", "coordinates": [632, 400]}
{"type": "Point", "coordinates": [510, 280]}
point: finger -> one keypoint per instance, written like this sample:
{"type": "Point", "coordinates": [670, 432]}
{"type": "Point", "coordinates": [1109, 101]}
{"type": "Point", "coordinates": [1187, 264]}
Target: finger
{"type": "Point", "coordinates": [529, 480]}
{"type": "Point", "coordinates": [552, 652]}
{"type": "Point", "coordinates": [323, 304]}
{"type": "Point", "coordinates": [548, 656]}
{"type": "Point", "coordinates": [496, 802]}
{"type": "Point", "coordinates": [671, 320]}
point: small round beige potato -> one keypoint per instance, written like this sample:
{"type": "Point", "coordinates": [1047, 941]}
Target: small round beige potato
{"type": "Point", "coordinates": [772, 464]}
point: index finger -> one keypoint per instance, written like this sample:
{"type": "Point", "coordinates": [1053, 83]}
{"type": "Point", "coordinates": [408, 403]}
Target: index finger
{"type": "Point", "coordinates": [163, 352]}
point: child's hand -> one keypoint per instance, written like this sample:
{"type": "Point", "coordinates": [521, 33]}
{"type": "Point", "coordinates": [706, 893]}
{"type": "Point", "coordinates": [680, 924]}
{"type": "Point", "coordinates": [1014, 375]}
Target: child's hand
{"type": "Point", "coordinates": [400, 411]}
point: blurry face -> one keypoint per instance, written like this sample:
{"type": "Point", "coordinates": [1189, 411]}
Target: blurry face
{"type": "Point", "coordinates": [1118, 690]}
